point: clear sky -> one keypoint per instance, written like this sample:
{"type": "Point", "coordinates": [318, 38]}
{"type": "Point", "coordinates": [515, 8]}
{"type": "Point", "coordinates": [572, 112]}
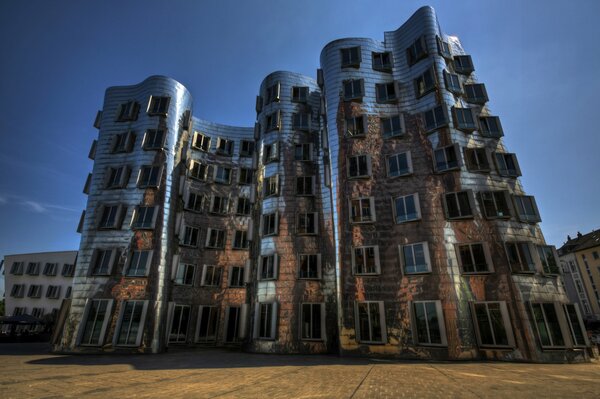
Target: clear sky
{"type": "Point", "coordinates": [539, 60]}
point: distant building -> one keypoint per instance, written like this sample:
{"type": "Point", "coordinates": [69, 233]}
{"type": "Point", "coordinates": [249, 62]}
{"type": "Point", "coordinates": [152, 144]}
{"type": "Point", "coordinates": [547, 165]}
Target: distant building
{"type": "Point", "coordinates": [580, 260]}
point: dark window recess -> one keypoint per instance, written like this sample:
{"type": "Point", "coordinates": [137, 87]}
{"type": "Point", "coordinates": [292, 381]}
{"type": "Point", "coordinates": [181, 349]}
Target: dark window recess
{"type": "Point", "coordinates": [417, 51]}
{"type": "Point", "coordinates": [351, 57]}
{"type": "Point", "coordinates": [158, 105]}
{"type": "Point", "coordinates": [355, 126]}
{"type": "Point", "coordinates": [309, 266]}
{"type": "Point", "coordinates": [272, 93]}
{"type": "Point", "coordinates": [489, 126]}
{"type": "Point", "coordinates": [243, 206]}
{"type": "Point", "coordinates": [225, 147]}
{"type": "Point", "coordinates": [154, 139]}
{"type": "Point", "coordinates": [463, 64]}
{"type": "Point", "coordinates": [495, 204]}
{"type": "Point", "coordinates": [246, 148]}
{"type": "Point", "coordinates": [128, 111]}
{"type": "Point", "coordinates": [353, 89]}
{"type": "Point", "coordinates": [476, 93]}
{"type": "Point", "coordinates": [300, 94]}
{"type": "Point", "coordinates": [477, 160]}
{"type": "Point", "coordinates": [358, 166]}
{"type": "Point", "coordinates": [386, 92]}
{"type": "Point", "coordinates": [382, 61]}
{"type": "Point", "coordinates": [425, 83]}
{"type": "Point", "coordinates": [526, 208]}
{"type": "Point", "coordinates": [123, 142]}
{"type": "Point", "coordinates": [507, 164]}
{"type": "Point", "coordinates": [435, 118]}
{"type": "Point", "coordinates": [463, 119]}
{"type": "Point", "coordinates": [246, 176]}
{"type": "Point", "coordinates": [301, 121]}
{"type": "Point", "coordinates": [444, 48]}
{"type": "Point", "coordinates": [519, 257]}
{"type": "Point", "coordinates": [201, 142]}
{"type": "Point", "coordinates": [392, 126]}
{"type": "Point", "coordinates": [452, 83]}
{"type": "Point", "coordinates": [458, 205]}
{"type": "Point", "coordinates": [446, 158]}
{"type": "Point", "coordinates": [473, 258]}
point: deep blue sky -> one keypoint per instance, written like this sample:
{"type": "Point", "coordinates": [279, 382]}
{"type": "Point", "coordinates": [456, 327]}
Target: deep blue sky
{"type": "Point", "coordinates": [539, 59]}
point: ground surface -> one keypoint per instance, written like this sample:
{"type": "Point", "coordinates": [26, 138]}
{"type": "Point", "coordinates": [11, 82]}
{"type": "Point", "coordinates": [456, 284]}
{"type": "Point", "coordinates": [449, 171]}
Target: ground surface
{"type": "Point", "coordinates": [29, 371]}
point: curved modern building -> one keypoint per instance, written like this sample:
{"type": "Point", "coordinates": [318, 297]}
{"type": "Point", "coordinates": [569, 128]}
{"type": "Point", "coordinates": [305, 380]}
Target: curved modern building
{"type": "Point", "coordinates": [374, 211]}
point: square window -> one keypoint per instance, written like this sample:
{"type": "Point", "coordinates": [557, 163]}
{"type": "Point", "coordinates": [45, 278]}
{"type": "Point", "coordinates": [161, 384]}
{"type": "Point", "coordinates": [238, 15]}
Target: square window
{"type": "Point", "coordinates": [425, 83]}
{"type": "Point", "coordinates": [33, 268]}
{"type": "Point", "coordinates": [219, 205]}
{"type": "Point", "coordinates": [240, 240]}
{"type": "Point", "coordinates": [354, 89]}
{"type": "Point", "coordinates": [17, 291]}
{"type": "Point", "coordinates": [495, 204]}
{"type": "Point", "coordinates": [477, 160]}
{"type": "Point", "coordinates": [406, 208]}
{"type": "Point", "coordinates": [417, 51]}
{"type": "Point", "coordinates": [149, 176]}
{"type": "Point", "coordinates": [272, 93]}
{"type": "Point", "coordinates": [128, 111]}
{"type": "Point", "coordinates": [95, 321]}
{"type": "Point", "coordinates": [305, 185]}
{"type": "Point", "coordinates": [365, 260]}
{"type": "Point", "coordinates": [393, 126]}
{"type": "Point", "coordinates": [452, 83]}
{"type": "Point", "coordinates": [236, 277]}
{"type": "Point", "coordinates": [489, 126]}
{"type": "Point", "coordinates": [548, 326]}
{"type": "Point", "coordinates": [117, 177]}
{"type": "Point", "coordinates": [520, 257]}
{"type": "Point", "coordinates": [399, 164]}
{"type": "Point", "coordinates": [507, 164]}
{"type": "Point", "coordinates": [307, 223]}
{"type": "Point", "coordinates": [50, 269]}
{"type": "Point", "coordinates": [463, 64]}
{"type": "Point", "coordinates": [185, 274]}
{"type": "Point", "coordinates": [415, 258]}
{"type": "Point", "coordinates": [301, 121]}
{"type": "Point", "coordinates": [244, 206]}
{"type": "Point", "coordinates": [215, 239]}
{"type": "Point", "coordinates": [270, 222]}
{"type": "Point", "coordinates": [198, 170]}
{"type": "Point", "coordinates": [17, 268]}
{"type": "Point", "coordinates": [211, 276]}
{"type": "Point", "coordinates": [303, 152]}
{"type": "Point", "coordinates": [139, 264]}
{"type": "Point", "coordinates": [299, 94]}
{"type": "Point", "coordinates": [527, 210]}
{"type": "Point", "coordinates": [246, 148]}
{"type": "Point", "coordinates": [130, 326]}
{"type": "Point", "coordinates": [35, 291]}
{"type": "Point", "coordinates": [53, 291]}
{"type": "Point", "coordinates": [463, 119]}
{"type": "Point", "coordinates": [492, 324]}
{"type": "Point", "coordinates": [222, 175]}
{"type": "Point", "coordinates": [179, 324]}
{"type": "Point", "coordinates": [386, 92]}
{"type": "Point", "coordinates": [103, 261]}
{"type": "Point", "coordinates": [158, 105]}
{"type": "Point", "coordinates": [359, 166]}
{"type": "Point", "coordinates": [271, 152]}
{"type": "Point", "coordinates": [110, 216]}
{"type": "Point", "coordinates": [549, 259]}
{"type": "Point", "coordinates": [224, 147]}
{"type": "Point", "coordinates": [144, 217]}
{"type": "Point", "coordinates": [271, 186]}
{"type": "Point", "coordinates": [382, 61]}
{"type": "Point", "coordinates": [38, 312]}
{"type": "Point", "coordinates": [459, 205]}
{"type": "Point", "coordinates": [246, 176]}
{"type": "Point", "coordinates": [476, 93]}
{"type": "Point", "coordinates": [195, 202]}
{"type": "Point", "coordinates": [362, 210]}
{"type": "Point", "coordinates": [447, 158]}
{"type": "Point", "coordinates": [429, 323]}
{"type": "Point", "coordinates": [190, 236]}
{"type": "Point", "coordinates": [351, 57]}
{"type": "Point", "coordinates": [265, 320]}
{"type": "Point", "coordinates": [201, 142]}
{"type": "Point", "coordinates": [123, 142]}
{"type": "Point", "coordinates": [68, 270]}
{"type": "Point", "coordinates": [370, 322]}
{"type": "Point", "coordinates": [154, 139]}
{"type": "Point", "coordinates": [356, 126]}
{"type": "Point", "coordinates": [435, 118]}
{"type": "Point", "coordinates": [474, 258]}
{"type": "Point", "coordinates": [267, 267]}
{"type": "Point", "coordinates": [312, 316]}
{"type": "Point", "coordinates": [309, 266]}
{"type": "Point", "coordinates": [272, 121]}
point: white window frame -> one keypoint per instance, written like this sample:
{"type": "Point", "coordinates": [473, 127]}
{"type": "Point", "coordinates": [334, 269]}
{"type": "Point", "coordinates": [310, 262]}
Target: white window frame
{"type": "Point", "coordinates": [215, 238]}
{"type": "Point", "coordinates": [505, 320]}
{"type": "Point", "coordinates": [426, 255]}
{"type": "Point", "coordinates": [84, 321]}
{"type": "Point", "coordinates": [181, 273]}
{"type": "Point", "coordinates": [441, 323]}
{"type": "Point", "coordinates": [204, 144]}
{"type": "Point", "coordinates": [214, 279]}
{"type": "Point", "coordinates": [136, 255]}
{"type": "Point", "coordinates": [403, 198]}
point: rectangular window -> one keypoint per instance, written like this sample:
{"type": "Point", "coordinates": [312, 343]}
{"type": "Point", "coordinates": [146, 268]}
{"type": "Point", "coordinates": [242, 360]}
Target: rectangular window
{"type": "Point", "coordinates": [53, 291]}
{"type": "Point", "coordinates": [527, 210]}
{"type": "Point", "coordinates": [545, 317]}
{"type": "Point", "coordinates": [382, 61]}
{"type": "Point", "coordinates": [271, 152]}
{"type": "Point", "coordinates": [299, 94]}
{"type": "Point", "coordinates": [463, 64]}
{"type": "Point", "coordinates": [246, 148]}
{"type": "Point", "coordinates": [17, 268]}
{"type": "Point", "coordinates": [240, 240]}
{"type": "Point", "coordinates": [123, 142]}
{"type": "Point", "coordinates": [219, 205]}
{"type": "Point", "coordinates": [158, 105]}
{"type": "Point", "coordinates": [305, 185]}
{"type": "Point", "coordinates": [415, 258]}
{"type": "Point", "coordinates": [459, 205]}
{"type": "Point", "coordinates": [270, 222]}
{"type": "Point", "coordinates": [489, 126]}
{"type": "Point", "coordinates": [144, 217]}
{"type": "Point", "coordinates": [267, 267]}
{"type": "Point", "coordinates": [477, 160]}
{"type": "Point", "coordinates": [507, 164]}
{"type": "Point", "coordinates": [495, 204]}
{"type": "Point", "coordinates": [356, 126]}
{"type": "Point", "coordinates": [393, 126]}
{"type": "Point", "coordinates": [464, 119]}
{"type": "Point", "coordinates": [492, 324]}
{"type": "Point", "coordinates": [425, 83]}
{"type": "Point", "coordinates": [353, 89]}
{"type": "Point", "coordinates": [130, 327]}
{"type": "Point", "coordinates": [95, 321]}
{"type": "Point", "coordinates": [272, 93]}
{"type": "Point", "coordinates": [236, 277]}
{"type": "Point", "coordinates": [447, 158]}
{"type": "Point", "coordinates": [195, 202]}
{"type": "Point", "coordinates": [128, 111]}
{"type": "Point", "coordinates": [312, 316]}
{"type": "Point", "coordinates": [417, 51]}
{"type": "Point", "coordinates": [307, 223]}
{"type": "Point", "coordinates": [224, 147]}
{"type": "Point", "coordinates": [68, 270]}
{"type": "Point", "coordinates": [149, 176]}
{"type": "Point", "coordinates": [154, 139]}
{"type": "Point", "coordinates": [351, 57]}
{"type": "Point", "coordinates": [215, 239]}
{"type": "Point", "coordinates": [265, 321]}
{"type": "Point", "coordinates": [370, 322]}
{"type": "Point", "coordinates": [303, 152]}
{"type": "Point", "coordinates": [222, 175]}
{"type": "Point", "coordinates": [399, 164]}
{"type": "Point", "coordinates": [243, 206]}
{"type": "Point", "coordinates": [50, 269]}
{"type": "Point", "coordinates": [386, 92]}
{"type": "Point", "coordinates": [362, 210]}
{"type": "Point", "coordinates": [35, 291]}
{"type": "Point", "coordinates": [549, 259]}
{"type": "Point", "coordinates": [273, 121]}
{"type": "Point", "coordinates": [429, 328]}
{"type": "Point", "coordinates": [186, 274]}
{"type": "Point", "coordinates": [576, 325]}
{"type": "Point", "coordinates": [208, 319]}
{"type": "Point", "coordinates": [301, 121]}
{"type": "Point", "coordinates": [309, 266]}
{"type": "Point", "coordinates": [406, 208]}
{"type": "Point", "coordinates": [520, 257]}
{"type": "Point", "coordinates": [365, 260]}
{"type": "Point", "coordinates": [190, 237]}
{"type": "Point", "coordinates": [103, 261]}
{"type": "Point", "coordinates": [110, 216]}
{"type": "Point", "coordinates": [474, 258]}
{"type": "Point", "coordinates": [359, 166]}
{"type": "Point", "coordinates": [38, 312]}
{"type": "Point", "coordinates": [201, 142]}
{"type": "Point", "coordinates": [116, 177]}
{"type": "Point", "coordinates": [435, 118]}
{"type": "Point", "coordinates": [33, 268]}
{"type": "Point", "coordinates": [179, 324]}
{"type": "Point", "coordinates": [211, 276]}
{"type": "Point", "coordinates": [139, 264]}
{"type": "Point", "coordinates": [271, 186]}
{"type": "Point", "coordinates": [444, 48]}
{"type": "Point", "coordinates": [476, 93]}
{"type": "Point", "coordinates": [452, 83]}
{"type": "Point", "coordinates": [17, 291]}
{"type": "Point", "coordinates": [19, 310]}
{"type": "Point", "coordinates": [198, 170]}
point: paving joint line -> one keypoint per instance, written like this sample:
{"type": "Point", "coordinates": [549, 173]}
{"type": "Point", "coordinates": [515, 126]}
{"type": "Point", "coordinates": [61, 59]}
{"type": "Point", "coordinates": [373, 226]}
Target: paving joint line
{"type": "Point", "coordinates": [361, 382]}
{"type": "Point", "coordinates": [454, 380]}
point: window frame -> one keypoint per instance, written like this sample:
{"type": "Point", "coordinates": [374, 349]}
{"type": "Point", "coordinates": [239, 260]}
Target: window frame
{"type": "Point", "coordinates": [355, 126]}
{"type": "Point", "coordinates": [300, 94]}
{"type": "Point", "coordinates": [485, 127]}
{"type": "Point", "coordinates": [447, 166]}
{"type": "Point", "coordinates": [149, 182]}
{"type": "Point", "coordinates": [461, 216]}
{"type": "Point", "coordinates": [391, 92]}
{"type": "Point", "coordinates": [426, 256]}
{"type": "Point", "coordinates": [309, 190]}
{"type": "Point", "coordinates": [308, 216]}
{"type": "Point", "coordinates": [182, 239]}
{"type": "Point", "coordinates": [390, 132]}
{"type": "Point", "coordinates": [408, 172]}
{"type": "Point", "coordinates": [158, 105]}
{"type": "Point", "coordinates": [151, 136]}
{"type": "Point", "coordinates": [141, 326]}
{"type": "Point", "coordinates": [531, 268]}
{"type": "Point", "coordinates": [213, 319]}
{"type": "Point", "coordinates": [270, 325]}
{"type": "Point", "coordinates": [225, 147]}
{"type": "Point", "coordinates": [477, 167]}
{"type": "Point", "coordinates": [471, 93]}
{"type": "Point", "coordinates": [308, 275]}
{"type": "Point", "coordinates": [502, 166]}
{"type": "Point", "coordinates": [460, 121]}
{"type": "Point", "coordinates": [486, 253]}
{"type": "Point", "coordinates": [559, 319]}
{"type": "Point", "coordinates": [440, 319]}
{"type": "Point", "coordinates": [202, 170]}
{"type": "Point", "coordinates": [122, 143]}
{"type": "Point", "coordinates": [128, 111]}
{"type": "Point", "coordinates": [356, 159]}
{"type": "Point", "coordinates": [214, 280]}
{"type": "Point", "coordinates": [205, 142]}
{"type": "Point", "coordinates": [245, 242]}
{"type": "Point", "coordinates": [361, 218]}
{"type": "Point", "coordinates": [382, 66]}
{"type": "Point", "coordinates": [382, 322]}
{"type": "Point", "coordinates": [417, 51]}
{"type": "Point", "coordinates": [85, 320]}
{"type": "Point", "coordinates": [141, 211]}
{"type": "Point", "coordinates": [181, 274]}
{"type": "Point", "coordinates": [364, 254]}
{"type": "Point", "coordinates": [463, 64]}
{"type": "Point", "coordinates": [137, 255]}
{"type": "Point", "coordinates": [96, 261]}
{"type": "Point", "coordinates": [417, 204]}
{"type": "Point", "coordinates": [438, 121]}
{"type": "Point", "coordinates": [353, 60]}
{"type": "Point", "coordinates": [494, 193]}
{"type": "Point", "coordinates": [425, 83]}
{"type": "Point", "coordinates": [520, 208]}
{"type": "Point", "coordinates": [275, 231]}
{"type": "Point", "coordinates": [273, 259]}
{"type": "Point", "coordinates": [215, 238]}
{"type": "Point", "coordinates": [354, 94]}
{"type": "Point", "coordinates": [505, 321]}
{"type": "Point", "coordinates": [321, 318]}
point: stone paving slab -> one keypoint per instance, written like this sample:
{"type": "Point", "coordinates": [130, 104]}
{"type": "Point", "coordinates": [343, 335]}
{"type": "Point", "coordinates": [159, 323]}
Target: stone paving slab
{"type": "Point", "coordinates": [30, 371]}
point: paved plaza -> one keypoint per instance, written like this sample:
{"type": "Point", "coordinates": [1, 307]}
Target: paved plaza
{"type": "Point", "coordinates": [30, 371]}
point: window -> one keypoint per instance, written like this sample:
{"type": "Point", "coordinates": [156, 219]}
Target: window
{"type": "Point", "coordinates": [149, 176]}
{"type": "Point", "coordinates": [211, 276]}
{"type": "Point", "coordinates": [463, 64]}
{"type": "Point", "coordinates": [270, 223]}
{"type": "Point", "coordinates": [310, 266]}
{"type": "Point", "coordinates": [545, 317]}
{"type": "Point", "coordinates": [201, 142]}
{"type": "Point", "coordinates": [356, 126]}
{"type": "Point", "coordinates": [447, 158]}
{"type": "Point", "coordinates": [452, 83]}
{"type": "Point", "coordinates": [301, 121]}
{"type": "Point", "coordinates": [243, 206]}
{"type": "Point", "coordinates": [33, 268]}
{"type": "Point", "coordinates": [139, 265]}
{"type": "Point", "coordinates": [273, 121]}
{"type": "Point", "coordinates": [68, 294]}
{"type": "Point", "coordinates": [267, 267]}
{"type": "Point", "coordinates": [406, 208]}
{"type": "Point", "coordinates": [365, 260]}
{"type": "Point", "coordinates": [224, 147]}
{"type": "Point", "coordinates": [245, 176]}
{"type": "Point", "coordinates": [351, 57]}
{"type": "Point", "coordinates": [110, 216]}
{"type": "Point", "coordinates": [312, 325]}
{"type": "Point", "coordinates": [370, 322]}
{"type": "Point", "coordinates": [463, 119]}
{"type": "Point", "coordinates": [392, 126]}
{"type": "Point", "coordinates": [595, 255]}
{"type": "Point", "coordinates": [417, 51]}
{"type": "Point", "coordinates": [299, 94]}
{"type": "Point", "coordinates": [476, 93]}
{"type": "Point", "coordinates": [386, 92]}
{"type": "Point", "coordinates": [222, 175]}
{"type": "Point", "coordinates": [272, 93]}
{"type": "Point", "coordinates": [38, 312]}
{"type": "Point", "coordinates": [18, 311]}
{"type": "Point", "coordinates": [382, 61]}
{"type": "Point", "coordinates": [271, 152]}
{"type": "Point", "coordinates": [303, 152]}
{"type": "Point", "coordinates": [576, 326]}
{"type": "Point", "coordinates": [236, 277]}
{"type": "Point", "coordinates": [527, 210]}
{"type": "Point", "coordinates": [246, 148]}
{"type": "Point", "coordinates": [353, 89]}
{"type": "Point", "coordinates": [425, 83]}
{"type": "Point", "coordinates": [265, 320]}
{"type": "Point", "coordinates": [305, 185]}
{"type": "Point", "coordinates": [144, 217]}
{"type": "Point", "coordinates": [117, 177]}
{"type": "Point", "coordinates": [435, 118]}
{"type": "Point", "coordinates": [185, 274]}
{"type": "Point", "coordinates": [103, 261]}
{"type": "Point", "coordinates": [459, 205]}
{"type": "Point", "coordinates": [179, 324]}
{"type": "Point", "coordinates": [548, 258]}
{"type": "Point", "coordinates": [154, 139]}
{"type": "Point", "coordinates": [492, 324]}
{"type": "Point", "coordinates": [53, 291]}
{"type": "Point", "coordinates": [195, 202]}
{"type": "Point", "coordinates": [128, 111]}
{"type": "Point", "coordinates": [17, 268]}
{"type": "Point", "coordinates": [158, 105]}
{"type": "Point", "coordinates": [507, 164]}
{"type": "Point", "coordinates": [198, 170]}
{"type": "Point", "coordinates": [240, 240]}
{"type": "Point", "coordinates": [219, 205]}
{"type": "Point", "coordinates": [495, 204]}
{"type": "Point", "coordinates": [50, 269]}
{"type": "Point", "coordinates": [519, 257]}
{"type": "Point", "coordinates": [474, 258]}
{"type": "Point", "coordinates": [17, 291]}
{"type": "Point", "coordinates": [362, 210]}
{"type": "Point", "coordinates": [429, 328]}
{"type": "Point", "coordinates": [489, 126]}
{"type": "Point", "coordinates": [208, 319]}
{"type": "Point", "coordinates": [190, 236]}
{"type": "Point", "coordinates": [399, 164]}
{"type": "Point", "coordinates": [130, 326]}
{"type": "Point", "coordinates": [359, 166]}
{"type": "Point", "coordinates": [477, 160]}
{"type": "Point", "coordinates": [444, 48]}
{"type": "Point", "coordinates": [307, 223]}
{"type": "Point", "coordinates": [123, 142]}
{"type": "Point", "coordinates": [271, 186]}
{"type": "Point", "coordinates": [68, 270]}
{"type": "Point", "coordinates": [35, 291]}
{"type": "Point", "coordinates": [215, 238]}
{"type": "Point", "coordinates": [96, 317]}
{"type": "Point", "coordinates": [415, 258]}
